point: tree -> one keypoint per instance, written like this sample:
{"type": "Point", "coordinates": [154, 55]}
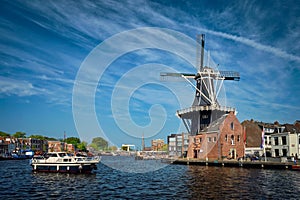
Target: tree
{"type": "Point", "coordinates": [41, 137]}
{"type": "Point", "coordinates": [165, 147]}
{"type": "Point", "coordinates": [19, 135]}
{"type": "Point", "coordinates": [99, 143]}
{"type": "Point", "coordinates": [72, 140]}
{"type": "Point", "coordinates": [3, 134]}
{"type": "Point", "coordinates": [82, 146]}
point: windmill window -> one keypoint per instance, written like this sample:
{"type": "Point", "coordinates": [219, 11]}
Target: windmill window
{"type": "Point", "coordinates": [232, 126]}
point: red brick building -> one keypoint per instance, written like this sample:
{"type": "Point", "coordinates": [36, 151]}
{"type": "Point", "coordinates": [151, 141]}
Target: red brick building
{"type": "Point", "coordinates": [157, 145]}
{"type": "Point", "coordinates": [57, 146]}
{"type": "Point", "coordinates": [223, 138]}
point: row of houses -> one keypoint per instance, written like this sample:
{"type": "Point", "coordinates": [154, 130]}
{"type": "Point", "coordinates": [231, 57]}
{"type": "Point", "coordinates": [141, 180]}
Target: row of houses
{"type": "Point", "coordinates": [227, 138]}
{"type": "Point", "coordinates": [273, 139]}
{"type": "Point", "coordinates": [9, 145]}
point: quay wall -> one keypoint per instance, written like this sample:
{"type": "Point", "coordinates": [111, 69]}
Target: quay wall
{"type": "Point", "coordinates": [234, 163]}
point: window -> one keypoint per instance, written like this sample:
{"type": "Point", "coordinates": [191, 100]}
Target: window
{"type": "Point", "coordinates": [209, 139]}
{"type": "Point", "coordinates": [226, 138]}
{"type": "Point", "coordinates": [276, 152]}
{"type": "Point", "coordinates": [232, 139]}
{"type": "Point", "coordinates": [232, 126]}
{"type": "Point", "coordinates": [215, 139]}
{"type": "Point", "coordinates": [276, 140]}
{"type": "Point", "coordinates": [283, 138]}
{"type": "Point", "coordinates": [204, 116]}
{"type": "Point", "coordinates": [284, 152]}
{"type": "Point", "coordinates": [200, 139]}
{"type": "Point", "coordinates": [239, 138]}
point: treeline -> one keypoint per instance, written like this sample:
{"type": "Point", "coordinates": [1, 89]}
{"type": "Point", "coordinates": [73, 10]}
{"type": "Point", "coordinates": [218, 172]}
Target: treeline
{"type": "Point", "coordinates": [23, 135]}
{"type": "Point", "coordinates": [98, 143]}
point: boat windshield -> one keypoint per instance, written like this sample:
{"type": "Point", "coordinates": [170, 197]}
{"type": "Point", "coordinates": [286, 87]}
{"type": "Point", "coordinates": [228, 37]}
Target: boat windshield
{"type": "Point", "coordinates": [62, 154]}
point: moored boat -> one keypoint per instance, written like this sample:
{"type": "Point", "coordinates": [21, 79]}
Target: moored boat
{"type": "Point", "coordinates": [64, 162]}
{"type": "Point", "coordinates": [296, 167]}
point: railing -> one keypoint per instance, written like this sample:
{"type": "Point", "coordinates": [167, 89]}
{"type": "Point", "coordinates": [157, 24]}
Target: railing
{"type": "Point", "coordinates": [201, 108]}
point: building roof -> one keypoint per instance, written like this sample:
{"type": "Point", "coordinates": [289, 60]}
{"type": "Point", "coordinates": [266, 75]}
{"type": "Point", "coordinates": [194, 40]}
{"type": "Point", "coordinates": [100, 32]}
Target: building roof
{"type": "Point", "coordinates": [291, 128]}
{"type": "Point", "coordinates": [215, 125]}
{"type": "Point", "coordinates": [297, 124]}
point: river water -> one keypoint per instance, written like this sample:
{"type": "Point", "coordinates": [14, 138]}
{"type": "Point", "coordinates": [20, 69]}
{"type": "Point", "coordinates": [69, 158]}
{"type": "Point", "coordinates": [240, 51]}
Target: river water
{"type": "Point", "coordinates": [125, 178]}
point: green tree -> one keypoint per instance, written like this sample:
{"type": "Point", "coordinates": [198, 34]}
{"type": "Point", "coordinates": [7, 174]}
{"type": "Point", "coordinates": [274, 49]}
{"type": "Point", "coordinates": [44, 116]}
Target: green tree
{"type": "Point", "coordinates": [99, 143]}
{"type": "Point", "coordinates": [19, 135]}
{"type": "Point", "coordinates": [82, 146]}
{"type": "Point", "coordinates": [165, 147]}
{"type": "Point", "coordinates": [72, 140]}
{"type": "Point", "coordinates": [41, 137]}
{"type": "Point", "coordinates": [3, 134]}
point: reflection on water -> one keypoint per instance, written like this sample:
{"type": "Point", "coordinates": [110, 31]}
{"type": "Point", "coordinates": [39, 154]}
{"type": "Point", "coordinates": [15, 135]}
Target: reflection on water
{"type": "Point", "coordinates": [129, 164]}
{"type": "Point", "coordinates": [170, 182]}
{"type": "Point", "coordinates": [241, 183]}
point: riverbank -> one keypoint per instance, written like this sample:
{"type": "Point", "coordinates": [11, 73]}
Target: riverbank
{"type": "Point", "coordinates": [233, 163]}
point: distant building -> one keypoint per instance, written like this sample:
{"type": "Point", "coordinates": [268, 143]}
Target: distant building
{"type": "Point", "coordinates": [6, 146]}
{"type": "Point", "coordinates": [178, 144]}
{"type": "Point", "coordinates": [223, 138]}
{"type": "Point", "coordinates": [157, 144]}
{"type": "Point", "coordinates": [128, 147]}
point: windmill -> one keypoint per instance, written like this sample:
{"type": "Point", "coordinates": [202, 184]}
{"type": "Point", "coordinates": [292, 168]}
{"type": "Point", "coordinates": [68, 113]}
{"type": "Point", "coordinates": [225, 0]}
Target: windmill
{"type": "Point", "coordinates": [205, 108]}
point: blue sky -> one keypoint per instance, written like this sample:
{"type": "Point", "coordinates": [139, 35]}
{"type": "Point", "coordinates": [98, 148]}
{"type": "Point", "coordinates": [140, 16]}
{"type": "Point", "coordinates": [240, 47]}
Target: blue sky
{"type": "Point", "coordinates": [45, 48]}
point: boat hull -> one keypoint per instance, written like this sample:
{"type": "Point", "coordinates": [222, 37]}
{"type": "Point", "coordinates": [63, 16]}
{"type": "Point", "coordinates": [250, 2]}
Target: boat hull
{"type": "Point", "coordinates": [63, 167]}
{"type": "Point", "coordinates": [296, 167]}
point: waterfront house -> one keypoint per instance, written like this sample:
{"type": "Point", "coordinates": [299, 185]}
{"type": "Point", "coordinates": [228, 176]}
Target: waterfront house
{"type": "Point", "coordinates": [223, 138]}
{"type": "Point", "coordinates": [287, 142]}
{"type": "Point", "coordinates": [258, 136]}
{"type": "Point", "coordinates": [178, 144]}
{"type": "Point", "coordinates": [253, 138]}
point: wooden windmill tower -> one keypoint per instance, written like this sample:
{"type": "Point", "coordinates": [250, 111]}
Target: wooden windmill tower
{"type": "Point", "coordinates": [205, 108]}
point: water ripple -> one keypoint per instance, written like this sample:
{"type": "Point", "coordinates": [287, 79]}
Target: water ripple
{"type": "Point", "coordinates": [170, 182]}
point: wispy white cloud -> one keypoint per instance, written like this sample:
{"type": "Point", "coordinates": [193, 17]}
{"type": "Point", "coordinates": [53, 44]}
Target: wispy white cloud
{"type": "Point", "coordinates": [43, 54]}
{"type": "Point", "coordinates": [10, 87]}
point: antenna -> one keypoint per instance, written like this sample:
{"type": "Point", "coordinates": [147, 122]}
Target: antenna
{"type": "Point", "coordinates": [143, 143]}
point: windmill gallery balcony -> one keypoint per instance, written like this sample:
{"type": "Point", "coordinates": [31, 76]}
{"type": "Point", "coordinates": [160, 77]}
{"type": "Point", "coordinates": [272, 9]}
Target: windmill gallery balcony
{"type": "Point", "coordinates": [197, 108]}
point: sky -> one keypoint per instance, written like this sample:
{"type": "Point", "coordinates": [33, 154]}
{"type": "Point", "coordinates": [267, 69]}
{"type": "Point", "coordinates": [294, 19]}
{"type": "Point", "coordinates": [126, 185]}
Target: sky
{"type": "Point", "coordinates": [91, 68]}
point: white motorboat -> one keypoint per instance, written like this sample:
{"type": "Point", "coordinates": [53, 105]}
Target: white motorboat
{"type": "Point", "coordinates": [64, 162]}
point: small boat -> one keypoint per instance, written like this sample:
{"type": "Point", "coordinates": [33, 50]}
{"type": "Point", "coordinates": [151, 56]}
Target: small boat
{"type": "Point", "coordinates": [295, 167]}
{"type": "Point", "coordinates": [64, 162]}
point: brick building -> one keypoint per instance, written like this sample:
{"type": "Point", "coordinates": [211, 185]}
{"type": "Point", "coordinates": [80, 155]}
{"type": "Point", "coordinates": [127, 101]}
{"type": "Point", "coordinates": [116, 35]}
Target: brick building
{"type": "Point", "coordinates": [157, 145]}
{"type": "Point", "coordinates": [223, 138]}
